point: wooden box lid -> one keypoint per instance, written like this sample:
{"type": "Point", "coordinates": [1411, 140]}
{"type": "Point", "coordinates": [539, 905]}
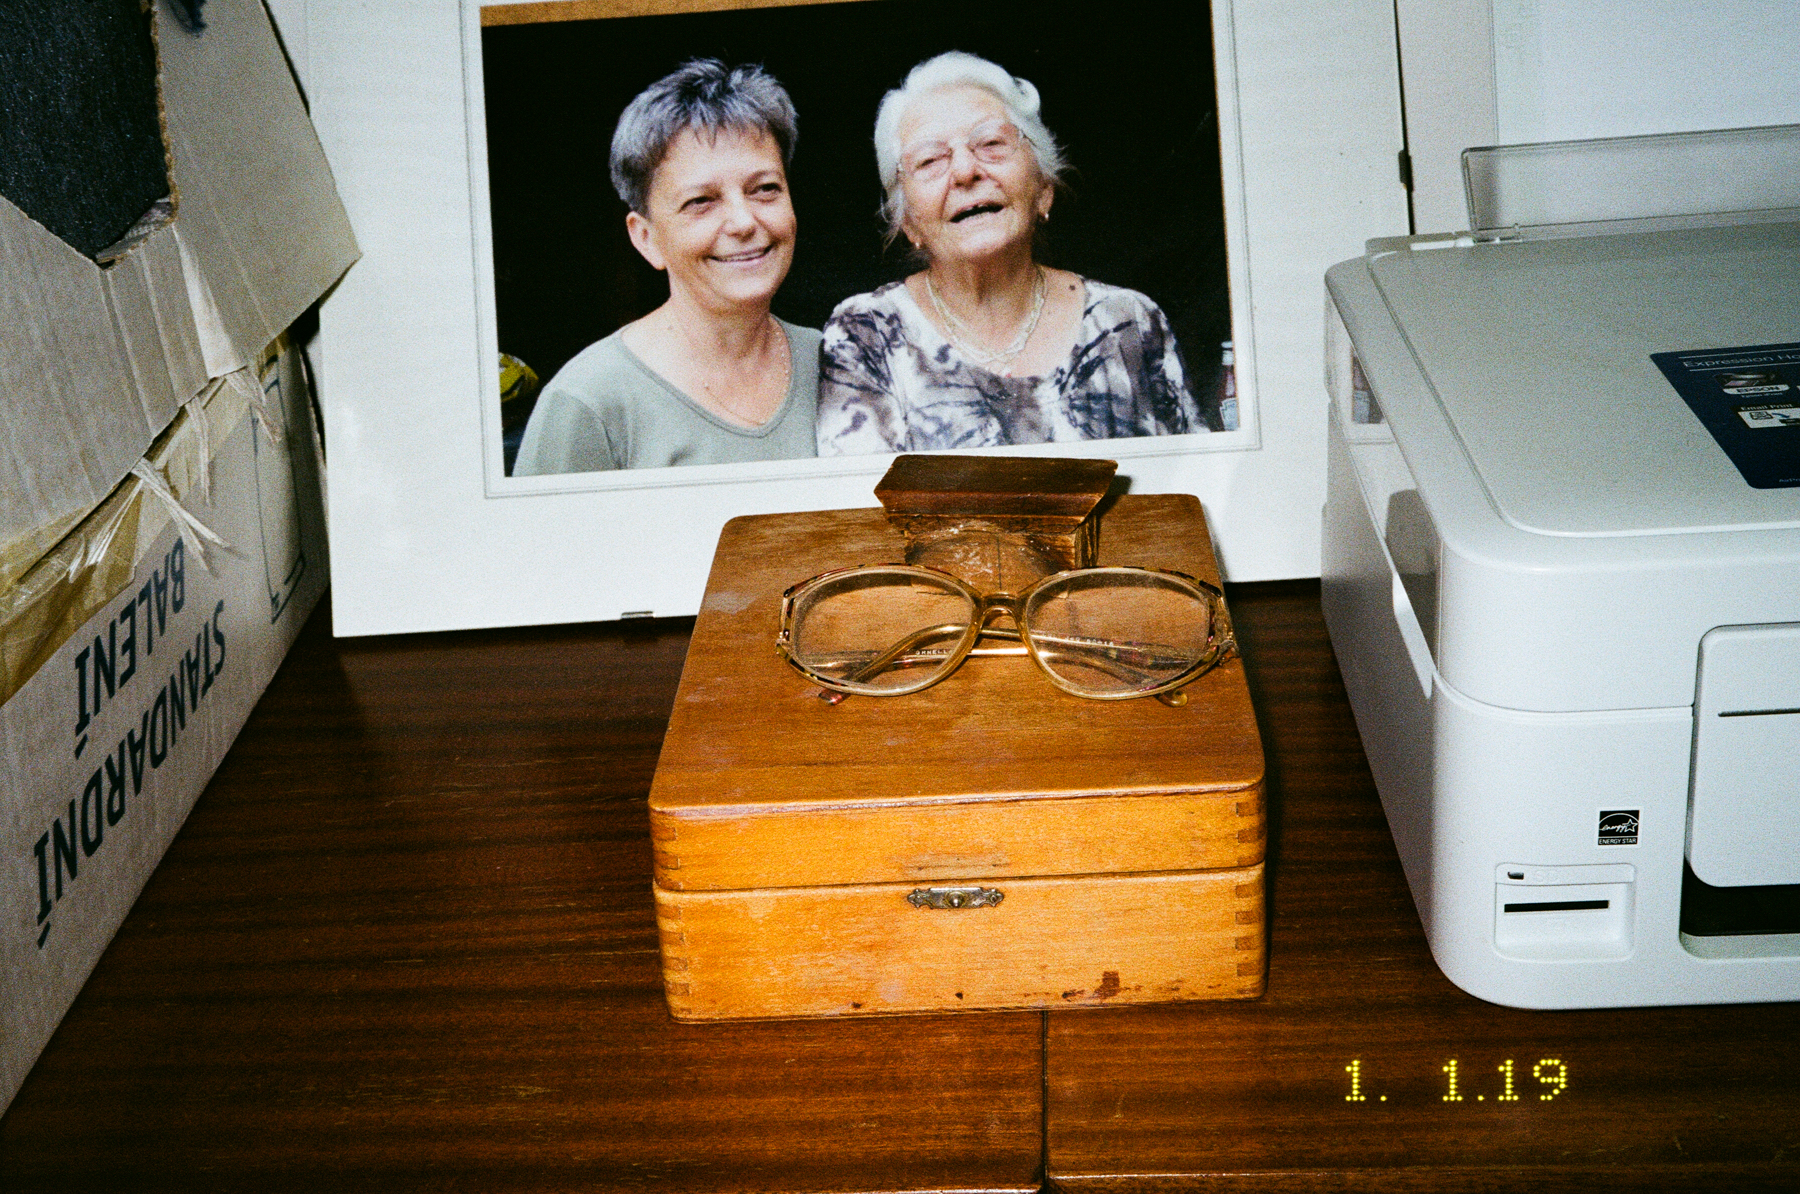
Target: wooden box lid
{"type": "Point", "coordinates": [993, 772]}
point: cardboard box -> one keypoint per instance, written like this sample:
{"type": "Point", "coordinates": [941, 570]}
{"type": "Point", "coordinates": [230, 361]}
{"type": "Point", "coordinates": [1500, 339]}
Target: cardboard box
{"type": "Point", "coordinates": [989, 842]}
{"type": "Point", "coordinates": [130, 656]}
{"type": "Point", "coordinates": [95, 359]}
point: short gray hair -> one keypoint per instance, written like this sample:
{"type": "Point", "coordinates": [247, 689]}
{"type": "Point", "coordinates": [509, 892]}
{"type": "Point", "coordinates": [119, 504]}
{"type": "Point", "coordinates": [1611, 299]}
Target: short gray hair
{"type": "Point", "coordinates": [958, 69]}
{"type": "Point", "coordinates": [705, 95]}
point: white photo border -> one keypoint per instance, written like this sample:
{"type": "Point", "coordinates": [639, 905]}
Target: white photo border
{"type": "Point", "coordinates": [428, 533]}
{"type": "Point", "coordinates": [499, 485]}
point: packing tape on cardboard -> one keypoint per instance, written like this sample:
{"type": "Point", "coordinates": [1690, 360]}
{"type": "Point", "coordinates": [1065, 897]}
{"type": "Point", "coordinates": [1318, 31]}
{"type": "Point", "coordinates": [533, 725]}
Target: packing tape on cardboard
{"type": "Point", "coordinates": [53, 600]}
{"type": "Point", "coordinates": [267, 407]}
{"type": "Point", "coordinates": [96, 561]}
{"type": "Point", "coordinates": [196, 411]}
{"type": "Point", "coordinates": [196, 534]}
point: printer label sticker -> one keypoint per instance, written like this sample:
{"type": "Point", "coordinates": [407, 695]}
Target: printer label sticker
{"type": "Point", "coordinates": [1769, 416]}
{"type": "Point", "coordinates": [1749, 400]}
{"type": "Point", "coordinates": [1619, 827]}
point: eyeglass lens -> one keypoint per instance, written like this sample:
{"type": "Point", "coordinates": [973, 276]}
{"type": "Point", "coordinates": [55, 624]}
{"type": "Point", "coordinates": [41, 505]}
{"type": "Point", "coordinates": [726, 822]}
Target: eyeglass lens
{"type": "Point", "coordinates": [991, 142]}
{"type": "Point", "coordinates": [886, 630]}
{"type": "Point", "coordinates": [1107, 633]}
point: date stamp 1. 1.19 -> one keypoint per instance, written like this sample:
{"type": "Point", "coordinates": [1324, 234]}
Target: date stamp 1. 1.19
{"type": "Point", "coordinates": [1507, 1082]}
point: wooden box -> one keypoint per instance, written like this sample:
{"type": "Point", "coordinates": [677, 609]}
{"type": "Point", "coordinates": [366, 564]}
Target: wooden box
{"type": "Point", "coordinates": [800, 846]}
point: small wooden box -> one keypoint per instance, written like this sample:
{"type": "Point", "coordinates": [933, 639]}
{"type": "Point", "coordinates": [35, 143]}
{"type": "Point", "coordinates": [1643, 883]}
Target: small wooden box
{"type": "Point", "coordinates": [796, 842]}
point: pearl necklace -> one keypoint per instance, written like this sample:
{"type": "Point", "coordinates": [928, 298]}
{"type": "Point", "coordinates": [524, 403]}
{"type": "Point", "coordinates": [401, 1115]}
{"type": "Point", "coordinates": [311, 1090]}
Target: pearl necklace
{"type": "Point", "coordinates": [961, 336]}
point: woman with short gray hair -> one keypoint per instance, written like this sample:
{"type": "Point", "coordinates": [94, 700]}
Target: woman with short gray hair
{"type": "Point", "coordinates": [711, 376]}
{"type": "Point", "coordinates": [984, 346]}
{"type": "Point", "coordinates": [704, 96]}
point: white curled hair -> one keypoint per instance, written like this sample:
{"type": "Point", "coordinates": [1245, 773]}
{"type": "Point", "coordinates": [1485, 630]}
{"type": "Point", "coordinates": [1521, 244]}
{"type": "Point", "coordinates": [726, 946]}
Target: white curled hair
{"type": "Point", "coordinates": [958, 69]}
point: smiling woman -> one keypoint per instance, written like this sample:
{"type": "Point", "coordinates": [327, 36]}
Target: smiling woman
{"type": "Point", "coordinates": [985, 346]}
{"type": "Point", "coordinates": [711, 376]}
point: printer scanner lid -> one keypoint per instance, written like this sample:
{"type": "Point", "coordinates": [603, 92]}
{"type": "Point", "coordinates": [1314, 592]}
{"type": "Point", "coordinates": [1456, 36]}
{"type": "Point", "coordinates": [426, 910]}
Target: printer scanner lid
{"type": "Point", "coordinates": [1539, 352]}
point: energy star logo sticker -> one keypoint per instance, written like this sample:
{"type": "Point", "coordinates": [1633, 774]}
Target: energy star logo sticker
{"type": "Point", "coordinates": [1619, 827]}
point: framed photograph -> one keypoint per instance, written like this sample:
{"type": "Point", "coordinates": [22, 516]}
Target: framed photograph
{"type": "Point", "coordinates": [471, 145]}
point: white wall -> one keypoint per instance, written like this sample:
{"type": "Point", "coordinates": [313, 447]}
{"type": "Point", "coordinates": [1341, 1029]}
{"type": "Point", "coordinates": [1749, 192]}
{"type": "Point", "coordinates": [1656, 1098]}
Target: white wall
{"type": "Point", "coordinates": [1482, 72]}
{"type": "Point", "coordinates": [1567, 70]}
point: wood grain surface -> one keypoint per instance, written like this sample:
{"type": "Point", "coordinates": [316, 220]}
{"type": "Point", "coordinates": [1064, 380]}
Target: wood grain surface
{"type": "Point", "coordinates": [587, 10]}
{"type": "Point", "coordinates": [406, 942]}
{"type": "Point", "coordinates": [1257, 1096]}
{"type": "Point", "coordinates": [1086, 941]}
{"type": "Point", "coordinates": [761, 784]}
{"type": "Point", "coordinates": [1125, 837]}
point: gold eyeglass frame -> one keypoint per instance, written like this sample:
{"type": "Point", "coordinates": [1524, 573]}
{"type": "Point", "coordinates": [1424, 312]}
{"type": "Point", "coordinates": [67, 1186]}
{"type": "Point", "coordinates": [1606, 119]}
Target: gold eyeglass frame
{"type": "Point", "coordinates": [1221, 641]}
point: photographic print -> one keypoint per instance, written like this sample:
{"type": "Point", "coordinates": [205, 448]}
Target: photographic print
{"type": "Point", "coordinates": [1107, 207]}
{"type": "Point", "coordinates": [1215, 161]}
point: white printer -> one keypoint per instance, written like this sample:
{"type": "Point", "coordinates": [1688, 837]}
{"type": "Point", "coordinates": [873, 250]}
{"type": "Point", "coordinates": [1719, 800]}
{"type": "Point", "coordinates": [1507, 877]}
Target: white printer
{"type": "Point", "coordinates": [1562, 567]}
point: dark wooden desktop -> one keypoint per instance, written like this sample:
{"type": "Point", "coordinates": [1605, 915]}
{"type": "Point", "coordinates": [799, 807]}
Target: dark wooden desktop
{"type": "Point", "coordinates": [405, 942]}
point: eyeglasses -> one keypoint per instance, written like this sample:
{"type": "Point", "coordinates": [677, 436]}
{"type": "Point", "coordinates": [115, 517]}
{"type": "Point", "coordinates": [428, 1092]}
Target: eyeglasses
{"type": "Point", "coordinates": [991, 142]}
{"type": "Point", "coordinates": [1102, 633]}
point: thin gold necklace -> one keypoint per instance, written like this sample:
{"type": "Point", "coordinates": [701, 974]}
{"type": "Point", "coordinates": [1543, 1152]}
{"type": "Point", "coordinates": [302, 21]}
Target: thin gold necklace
{"type": "Point", "coordinates": [787, 371]}
{"type": "Point", "coordinates": [961, 336]}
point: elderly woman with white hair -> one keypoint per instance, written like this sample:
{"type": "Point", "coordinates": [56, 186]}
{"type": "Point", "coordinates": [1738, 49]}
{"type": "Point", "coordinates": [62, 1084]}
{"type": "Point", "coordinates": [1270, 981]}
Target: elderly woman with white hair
{"type": "Point", "coordinates": [711, 376]}
{"type": "Point", "coordinates": [985, 346]}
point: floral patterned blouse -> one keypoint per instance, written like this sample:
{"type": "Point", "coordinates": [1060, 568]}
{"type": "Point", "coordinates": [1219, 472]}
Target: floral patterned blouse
{"type": "Point", "coordinates": [891, 382]}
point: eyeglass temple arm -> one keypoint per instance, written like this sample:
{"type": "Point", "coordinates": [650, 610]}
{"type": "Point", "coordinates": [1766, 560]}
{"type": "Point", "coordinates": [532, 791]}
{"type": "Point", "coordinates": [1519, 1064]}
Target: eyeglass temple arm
{"type": "Point", "coordinates": [1219, 650]}
{"type": "Point", "coordinates": [902, 650]}
{"type": "Point", "coordinates": [906, 646]}
{"type": "Point", "coordinates": [891, 656]}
